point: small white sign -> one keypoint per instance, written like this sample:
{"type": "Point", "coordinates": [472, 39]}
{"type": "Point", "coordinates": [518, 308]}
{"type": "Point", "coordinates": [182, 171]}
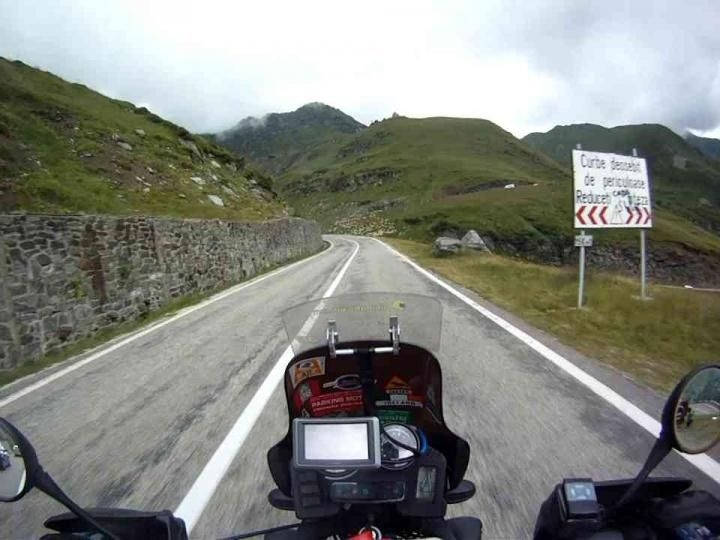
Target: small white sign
{"type": "Point", "coordinates": [583, 240]}
{"type": "Point", "coordinates": [610, 191]}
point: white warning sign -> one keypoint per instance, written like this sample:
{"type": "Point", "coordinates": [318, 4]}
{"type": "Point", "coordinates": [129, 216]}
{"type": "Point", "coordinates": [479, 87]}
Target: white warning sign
{"type": "Point", "coordinates": [610, 191]}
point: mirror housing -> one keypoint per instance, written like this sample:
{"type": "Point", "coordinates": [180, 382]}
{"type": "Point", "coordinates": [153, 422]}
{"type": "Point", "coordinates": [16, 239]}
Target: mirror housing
{"type": "Point", "coordinates": [17, 447]}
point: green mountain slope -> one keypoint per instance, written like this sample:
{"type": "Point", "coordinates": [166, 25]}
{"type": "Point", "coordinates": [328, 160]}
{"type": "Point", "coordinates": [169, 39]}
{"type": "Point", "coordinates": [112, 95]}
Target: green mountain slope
{"type": "Point", "coordinates": [277, 141]}
{"type": "Point", "coordinates": [67, 149]}
{"type": "Point", "coordinates": [685, 181]}
{"type": "Point", "coordinates": [421, 177]}
{"type": "Point", "coordinates": [709, 147]}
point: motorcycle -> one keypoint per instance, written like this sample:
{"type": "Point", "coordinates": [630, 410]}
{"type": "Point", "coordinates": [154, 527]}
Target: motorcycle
{"type": "Point", "coordinates": [368, 455]}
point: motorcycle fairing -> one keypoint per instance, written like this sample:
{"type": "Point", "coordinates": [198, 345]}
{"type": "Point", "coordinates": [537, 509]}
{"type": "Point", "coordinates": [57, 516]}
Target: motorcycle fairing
{"type": "Point", "coordinates": [407, 389]}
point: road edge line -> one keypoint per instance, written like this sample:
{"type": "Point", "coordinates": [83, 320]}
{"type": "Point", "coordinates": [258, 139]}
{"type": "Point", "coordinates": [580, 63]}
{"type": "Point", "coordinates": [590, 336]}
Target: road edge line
{"type": "Point", "coordinates": [702, 461]}
{"type": "Point", "coordinates": [196, 499]}
{"type": "Point", "coordinates": [144, 331]}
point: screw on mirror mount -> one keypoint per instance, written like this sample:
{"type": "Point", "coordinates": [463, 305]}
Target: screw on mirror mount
{"type": "Point", "coordinates": [332, 338]}
{"type": "Point", "coordinates": [659, 451]}
{"type": "Point", "coordinates": [394, 331]}
{"type": "Point", "coordinates": [45, 483]}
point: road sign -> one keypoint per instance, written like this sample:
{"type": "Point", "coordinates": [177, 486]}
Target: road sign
{"type": "Point", "coordinates": [610, 191]}
{"type": "Point", "coordinates": [583, 240]}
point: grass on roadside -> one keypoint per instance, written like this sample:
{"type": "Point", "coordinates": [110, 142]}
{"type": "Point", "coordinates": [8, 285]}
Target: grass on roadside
{"type": "Point", "coordinates": [106, 334]}
{"type": "Point", "coordinates": [656, 341]}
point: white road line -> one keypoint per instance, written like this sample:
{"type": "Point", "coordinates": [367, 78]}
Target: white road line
{"type": "Point", "coordinates": [132, 337]}
{"type": "Point", "coordinates": [702, 461]}
{"type": "Point", "coordinates": [192, 506]}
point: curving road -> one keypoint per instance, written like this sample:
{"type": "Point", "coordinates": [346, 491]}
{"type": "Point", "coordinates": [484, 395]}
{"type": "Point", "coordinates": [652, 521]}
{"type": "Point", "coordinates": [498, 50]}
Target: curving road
{"type": "Point", "coordinates": [135, 426]}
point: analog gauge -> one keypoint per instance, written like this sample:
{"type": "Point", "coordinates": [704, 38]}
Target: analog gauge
{"type": "Point", "coordinates": [391, 452]}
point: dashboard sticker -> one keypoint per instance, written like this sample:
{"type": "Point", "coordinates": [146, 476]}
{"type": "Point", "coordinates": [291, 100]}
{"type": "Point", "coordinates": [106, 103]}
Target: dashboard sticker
{"type": "Point", "coordinates": [304, 369]}
{"type": "Point", "coordinates": [305, 391]}
{"type": "Point", "coordinates": [349, 381]}
{"type": "Point", "coordinates": [400, 394]}
{"type": "Point", "coordinates": [336, 402]}
{"type": "Point", "coordinates": [390, 416]}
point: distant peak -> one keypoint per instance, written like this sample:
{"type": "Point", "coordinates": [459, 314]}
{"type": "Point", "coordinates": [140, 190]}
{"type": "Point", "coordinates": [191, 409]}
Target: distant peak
{"type": "Point", "coordinates": [252, 122]}
{"type": "Point", "coordinates": [315, 105]}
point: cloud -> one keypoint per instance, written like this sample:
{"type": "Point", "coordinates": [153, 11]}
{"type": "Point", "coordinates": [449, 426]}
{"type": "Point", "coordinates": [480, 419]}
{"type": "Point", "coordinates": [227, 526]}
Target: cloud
{"type": "Point", "coordinates": [525, 65]}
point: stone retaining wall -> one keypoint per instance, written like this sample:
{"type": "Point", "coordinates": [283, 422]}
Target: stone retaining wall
{"type": "Point", "coordinates": [63, 278]}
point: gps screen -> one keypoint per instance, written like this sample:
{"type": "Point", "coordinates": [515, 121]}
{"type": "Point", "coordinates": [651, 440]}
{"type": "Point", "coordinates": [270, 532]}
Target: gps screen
{"type": "Point", "coordinates": [336, 441]}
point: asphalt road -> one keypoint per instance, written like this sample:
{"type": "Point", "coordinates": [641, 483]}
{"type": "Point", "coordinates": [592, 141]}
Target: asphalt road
{"type": "Point", "coordinates": [135, 427]}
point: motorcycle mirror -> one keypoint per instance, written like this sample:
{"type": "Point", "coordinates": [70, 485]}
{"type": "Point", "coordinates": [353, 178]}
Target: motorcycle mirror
{"type": "Point", "coordinates": [17, 463]}
{"type": "Point", "coordinates": [690, 422]}
{"type": "Point", "coordinates": [25, 472]}
{"type": "Point", "coordinates": [692, 415]}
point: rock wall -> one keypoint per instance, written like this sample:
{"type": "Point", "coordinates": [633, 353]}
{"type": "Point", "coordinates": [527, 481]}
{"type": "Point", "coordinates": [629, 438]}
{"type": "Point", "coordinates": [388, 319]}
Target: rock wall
{"type": "Point", "coordinates": [63, 278]}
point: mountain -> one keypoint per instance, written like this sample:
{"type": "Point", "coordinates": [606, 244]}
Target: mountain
{"type": "Point", "coordinates": [685, 181]}
{"type": "Point", "coordinates": [424, 177]}
{"type": "Point", "coordinates": [278, 140]}
{"type": "Point", "coordinates": [709, 147]}
{"type": "Point", "coordinates": [67, 149]}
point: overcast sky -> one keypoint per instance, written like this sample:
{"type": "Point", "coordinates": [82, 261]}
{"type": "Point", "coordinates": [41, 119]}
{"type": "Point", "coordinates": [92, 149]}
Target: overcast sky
{"type": "Point", "coordinates": [524, 65]}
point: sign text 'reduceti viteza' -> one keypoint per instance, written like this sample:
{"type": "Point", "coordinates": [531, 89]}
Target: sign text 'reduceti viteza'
{"type": "Point", "coordinates": [610, 191]}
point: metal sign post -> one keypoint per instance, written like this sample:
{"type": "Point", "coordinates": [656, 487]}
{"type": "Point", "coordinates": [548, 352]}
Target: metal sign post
{"type": "Point", "coordinates": [643, 295]}
{"type": "Point", "coordinates": [581, 272]}
{"type": "Point", "coordinates": [581, 285]}
{"type": "Point", "coordinates": [643, 267]}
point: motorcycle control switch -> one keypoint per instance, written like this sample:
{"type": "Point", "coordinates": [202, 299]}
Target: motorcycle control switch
{"type": "Point", "coordinates": [579, 499]}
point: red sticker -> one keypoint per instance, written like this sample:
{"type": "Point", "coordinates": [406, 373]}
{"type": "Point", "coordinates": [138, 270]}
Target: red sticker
{"type": "Point", "coordinates": [305, 391]}
{"type": "Point", "coordinates": [336, 402]}
{"type": "Point", "coordinates": [397, 386]}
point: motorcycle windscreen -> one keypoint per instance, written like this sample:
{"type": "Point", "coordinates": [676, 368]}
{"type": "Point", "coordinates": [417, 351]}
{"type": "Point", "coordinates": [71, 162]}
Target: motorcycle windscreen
{"type": "Point", "coordinates": [364, 317]}
{"type": "Point", "coordinates": [407, 387]}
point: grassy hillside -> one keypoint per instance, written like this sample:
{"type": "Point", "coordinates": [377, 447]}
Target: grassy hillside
{"type": "Point", "coordinates": [708, 146]}
{"type": "Point", "coordinates": [685, 181]}
{"type": "Point", "coordinates": [418, 178]}
{"type": "Point", "coordinates": [67, 149]}
{"type": "Point", "coordinates": [425, 176]}
{"type": "Point", "coordinates": [277, 141]}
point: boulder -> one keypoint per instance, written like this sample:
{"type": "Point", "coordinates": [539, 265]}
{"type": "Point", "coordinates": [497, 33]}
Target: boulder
{"type": "Point", "coordinates": [198, 180]}
{"type": "Point", "coordinates": [444, 245]}
{"type": "Point", "coordinates": [473, 240]}
{"type": "Point", "coordinates": [217, 201]}
{"type": "Point", "coordinates": [140, 132]}
{"type": "Point", "coordinates": [190, 145]}
{"type": "Point", "coordinates": [124, 145]}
